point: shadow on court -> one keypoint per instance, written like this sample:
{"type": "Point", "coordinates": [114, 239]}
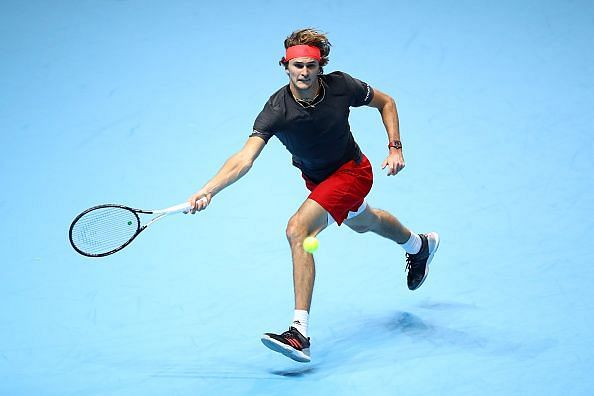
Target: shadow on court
{"type": "Point", "coordinates": [404, 336]}
{"type": "Point", "coordinates": [295, 373]}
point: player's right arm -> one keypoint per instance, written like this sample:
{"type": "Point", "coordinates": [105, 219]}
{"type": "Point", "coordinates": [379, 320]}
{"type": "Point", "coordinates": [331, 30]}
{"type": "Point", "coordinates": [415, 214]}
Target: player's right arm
{"type": "Point", "coordinates": [232, 170]}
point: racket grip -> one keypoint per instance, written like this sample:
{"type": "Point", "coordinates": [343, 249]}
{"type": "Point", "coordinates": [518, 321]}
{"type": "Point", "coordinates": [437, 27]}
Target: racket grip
{"type": "Point", "coordinates": [182, 207]}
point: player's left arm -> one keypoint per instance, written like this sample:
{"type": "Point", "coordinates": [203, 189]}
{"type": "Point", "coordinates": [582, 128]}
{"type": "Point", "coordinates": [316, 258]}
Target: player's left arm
{"type": "Point", "coordinates": [387, 108]}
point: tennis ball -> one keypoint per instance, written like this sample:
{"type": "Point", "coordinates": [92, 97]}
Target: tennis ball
{"type": "Point", "coordinates": [310, 244]}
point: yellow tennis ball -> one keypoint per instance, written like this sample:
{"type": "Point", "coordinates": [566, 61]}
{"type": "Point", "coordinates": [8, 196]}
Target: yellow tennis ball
{"type": "Point", "coordinates": [310, 244]}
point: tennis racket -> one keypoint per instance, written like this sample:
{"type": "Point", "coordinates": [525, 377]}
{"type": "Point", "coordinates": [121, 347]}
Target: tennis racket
{"type": "Point", "coordinates": [105, 229]}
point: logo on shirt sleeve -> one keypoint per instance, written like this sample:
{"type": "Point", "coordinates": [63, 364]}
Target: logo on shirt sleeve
{"type": "Point", "coordinates": [368, 93]}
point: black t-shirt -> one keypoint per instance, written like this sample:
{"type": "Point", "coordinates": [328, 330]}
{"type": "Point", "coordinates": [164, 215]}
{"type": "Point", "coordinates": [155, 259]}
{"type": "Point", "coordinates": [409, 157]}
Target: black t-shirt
{"type": "Point", "coordinates": [319, 137]}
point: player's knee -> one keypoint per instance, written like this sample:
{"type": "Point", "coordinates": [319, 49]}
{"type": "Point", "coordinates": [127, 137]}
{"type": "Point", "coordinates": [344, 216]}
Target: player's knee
{"type": "Point", "coordinates": [296, 230]}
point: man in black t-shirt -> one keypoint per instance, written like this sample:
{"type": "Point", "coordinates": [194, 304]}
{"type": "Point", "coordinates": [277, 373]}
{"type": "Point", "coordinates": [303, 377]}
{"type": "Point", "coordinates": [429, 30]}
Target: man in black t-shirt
{"type": "Point", "coordinates": [310, 117]}
{"type": "Point", "coordinates": [317, 133]}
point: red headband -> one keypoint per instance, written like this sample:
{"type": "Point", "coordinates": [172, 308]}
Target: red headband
{"type": "Point", "coordinates": [301, 51]}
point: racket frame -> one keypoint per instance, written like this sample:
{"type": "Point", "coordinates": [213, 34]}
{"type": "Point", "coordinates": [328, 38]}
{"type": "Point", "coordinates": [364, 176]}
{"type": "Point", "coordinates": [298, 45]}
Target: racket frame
{"type": "Point", "coordinates": [183, 207]}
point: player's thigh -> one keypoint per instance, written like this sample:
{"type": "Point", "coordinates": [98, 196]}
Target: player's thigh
{"type": "Point", "coordinates": [364, 221]}
{"type": "Point", "coordinates": [310, 218]}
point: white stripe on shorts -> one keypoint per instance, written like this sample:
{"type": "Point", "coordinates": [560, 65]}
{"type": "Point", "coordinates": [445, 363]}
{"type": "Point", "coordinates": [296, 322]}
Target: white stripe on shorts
{"type": "Point", "coordinates": [350, 215]}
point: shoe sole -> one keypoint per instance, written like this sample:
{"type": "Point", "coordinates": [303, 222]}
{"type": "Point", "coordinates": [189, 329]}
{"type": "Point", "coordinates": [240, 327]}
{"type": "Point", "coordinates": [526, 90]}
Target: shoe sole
{"type": "Point", "coordinates": [286, 350]}
{"type": "Point", "coordinates": [436, 237]}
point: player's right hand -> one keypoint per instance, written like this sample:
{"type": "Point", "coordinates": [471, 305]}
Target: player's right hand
{"type": "Point", "coordinates": [199, 201]}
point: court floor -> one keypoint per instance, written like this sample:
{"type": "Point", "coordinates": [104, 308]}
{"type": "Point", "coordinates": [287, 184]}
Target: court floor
{"type": "Point", "coordinates": [137, 103]}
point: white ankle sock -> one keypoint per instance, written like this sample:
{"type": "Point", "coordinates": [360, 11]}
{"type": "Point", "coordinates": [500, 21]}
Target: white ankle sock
{"type": "Point", "coordinates": [300, 321]}
{"type": "Point", "coordinates": [413, 245]}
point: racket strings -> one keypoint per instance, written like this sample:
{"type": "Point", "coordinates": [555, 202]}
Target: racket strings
{"type": "Point", "coordinates": [103, 230]}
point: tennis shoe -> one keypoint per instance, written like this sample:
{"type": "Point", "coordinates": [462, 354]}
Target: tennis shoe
{"type": "Point", "coordinates": [291, 343]}
{"type": "Point", "coordinates": [417, 264]}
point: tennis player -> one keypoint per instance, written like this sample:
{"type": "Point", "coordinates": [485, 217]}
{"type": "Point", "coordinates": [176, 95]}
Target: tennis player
{"type": "Point", "coordinates": [310, 117]}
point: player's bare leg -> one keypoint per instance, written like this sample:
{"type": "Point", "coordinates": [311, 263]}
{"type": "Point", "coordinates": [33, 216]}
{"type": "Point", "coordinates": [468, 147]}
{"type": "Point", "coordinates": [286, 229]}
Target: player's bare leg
{"type": "Point", "coordinates": [309, 220]}
{"type": "Point", "coordinates": [419, 248]}
{"type": "Point", "coordinates": [380, 222]}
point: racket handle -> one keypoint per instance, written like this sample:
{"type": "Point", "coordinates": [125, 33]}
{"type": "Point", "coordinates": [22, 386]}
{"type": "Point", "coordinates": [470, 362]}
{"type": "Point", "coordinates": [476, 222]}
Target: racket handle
{"type": "Point", "coordinates": [182, 207]}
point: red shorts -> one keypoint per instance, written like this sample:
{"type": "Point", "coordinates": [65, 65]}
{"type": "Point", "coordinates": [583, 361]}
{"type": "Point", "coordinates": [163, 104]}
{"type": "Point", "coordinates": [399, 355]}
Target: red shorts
{"type": "Point", "coordinates": [343, 191]}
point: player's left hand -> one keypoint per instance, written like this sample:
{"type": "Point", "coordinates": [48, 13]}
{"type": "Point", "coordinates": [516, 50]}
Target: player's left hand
{"type": "Point", "coordinates": [394, 162]}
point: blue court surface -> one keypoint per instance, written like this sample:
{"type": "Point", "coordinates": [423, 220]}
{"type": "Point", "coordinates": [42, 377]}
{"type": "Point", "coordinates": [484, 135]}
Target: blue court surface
{"type": "Point", "coordinates": [140, 103]}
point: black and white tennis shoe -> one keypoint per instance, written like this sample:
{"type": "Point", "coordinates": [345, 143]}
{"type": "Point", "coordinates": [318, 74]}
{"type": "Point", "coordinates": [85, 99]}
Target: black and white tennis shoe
{"type": "Point", "coordinates": [417, 265]}
{"type": "Point", "coordinates": [291, 343]}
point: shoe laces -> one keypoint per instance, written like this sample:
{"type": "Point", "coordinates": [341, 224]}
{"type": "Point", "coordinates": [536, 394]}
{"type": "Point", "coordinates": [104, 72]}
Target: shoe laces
{"type": "Point", "coordinates": [411, 262]}
{"type": "Point", "coordinates": [289, 334]}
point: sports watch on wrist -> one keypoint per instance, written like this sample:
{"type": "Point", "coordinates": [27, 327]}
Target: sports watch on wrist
{"type": "Point", "coordinates": [397, 144]}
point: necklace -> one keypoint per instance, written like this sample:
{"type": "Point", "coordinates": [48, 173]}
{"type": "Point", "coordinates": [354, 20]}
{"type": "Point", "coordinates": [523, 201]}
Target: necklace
{"type": "Point", "coordinates": [305, 103]}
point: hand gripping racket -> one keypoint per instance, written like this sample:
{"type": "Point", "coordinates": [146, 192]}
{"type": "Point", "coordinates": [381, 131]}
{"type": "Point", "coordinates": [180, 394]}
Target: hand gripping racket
{"type": "Point", "coordinates": [105, 229]}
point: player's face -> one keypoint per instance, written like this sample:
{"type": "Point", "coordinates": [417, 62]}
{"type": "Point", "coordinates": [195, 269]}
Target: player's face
{"type": "Point", "coordinates": [303, 73]}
